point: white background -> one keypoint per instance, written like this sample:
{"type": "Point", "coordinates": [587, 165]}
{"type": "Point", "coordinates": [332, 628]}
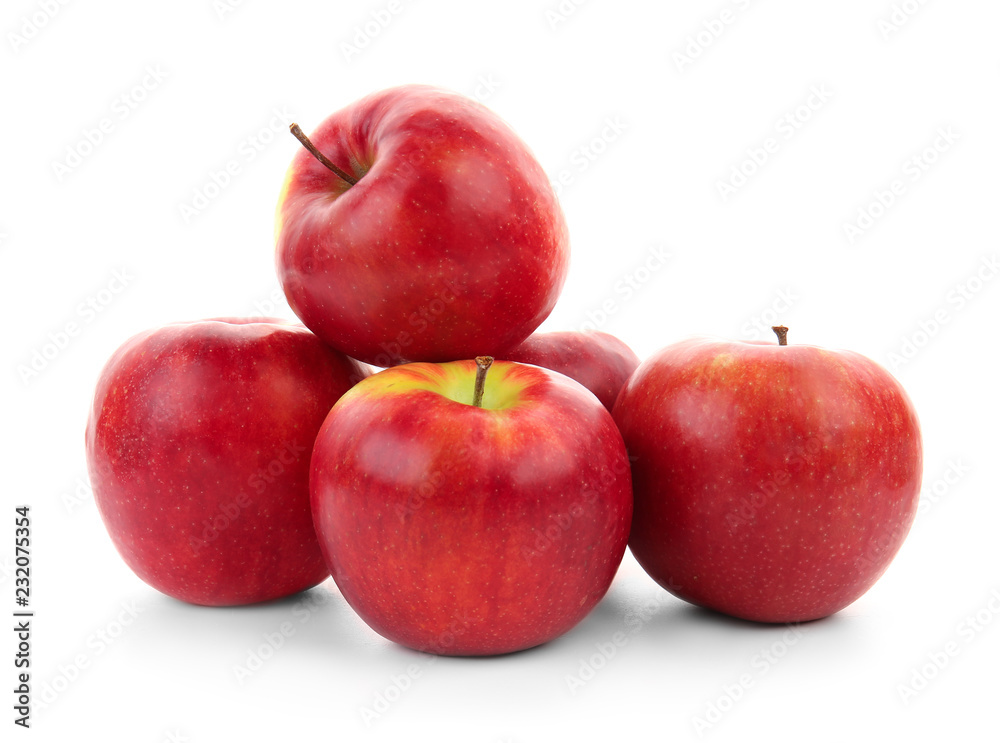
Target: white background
{"type": "Point", "coordinates": [121, 661]}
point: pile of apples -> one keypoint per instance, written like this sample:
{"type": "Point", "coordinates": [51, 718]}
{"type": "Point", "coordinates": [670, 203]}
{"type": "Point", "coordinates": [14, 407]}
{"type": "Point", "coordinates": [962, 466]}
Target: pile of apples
{"type": "Point", "coordinates": [476, 495]}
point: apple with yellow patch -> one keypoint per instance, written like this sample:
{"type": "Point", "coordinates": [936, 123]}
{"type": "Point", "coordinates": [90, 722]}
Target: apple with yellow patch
{"type": "Point", "coordinates": [466, 515]}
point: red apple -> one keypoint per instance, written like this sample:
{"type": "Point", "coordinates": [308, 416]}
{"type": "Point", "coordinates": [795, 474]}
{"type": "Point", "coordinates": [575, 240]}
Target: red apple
{"type": "Point", "coordinates": [464, 529]}
{"type": "Point", "coordinates": [442, 239]}
{"type": "Point", "coordinates": [599, 361]}
{"type": "Point", "coordinates": [198, 447]}
{"type": "Point", "coordinates": [772, 482]}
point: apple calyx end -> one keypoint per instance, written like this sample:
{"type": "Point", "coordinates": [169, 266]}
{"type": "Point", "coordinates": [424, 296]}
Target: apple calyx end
{"type": "Point", "coordinates": [782, 332]}
{"type": "Point", "coordinates": [300, 135]}
{"type": "Point", "coordinates": [483, 364]}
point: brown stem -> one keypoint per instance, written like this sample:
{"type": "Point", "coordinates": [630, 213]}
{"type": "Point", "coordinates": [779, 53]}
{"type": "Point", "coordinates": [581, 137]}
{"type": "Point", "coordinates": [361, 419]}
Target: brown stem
{"type": "Point", "coordinates": [483, 364]}
{"type": "Point", "coordinates": [782, 332]}
{"type": "Point", "coordinates": [301, 136]}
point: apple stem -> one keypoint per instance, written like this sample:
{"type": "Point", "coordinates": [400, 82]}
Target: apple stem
{"type": "Point", "coordinates": [483, 364]}
{"type": "Point", "coordinates": [782, 332]}
{"type": "Point", "coordinates": [301, 136]}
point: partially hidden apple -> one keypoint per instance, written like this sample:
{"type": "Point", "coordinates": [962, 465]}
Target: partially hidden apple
{"type": "Point", "coordinates": [772, 482]}
{"type": "Point", "coordinates": [198, 447]}
{"type": "Point", "coordinates": [416, 225]}
{"type": "Point", "coordinates": [465, 515]}
{"type": "Point", "coordinates": [599, 361]}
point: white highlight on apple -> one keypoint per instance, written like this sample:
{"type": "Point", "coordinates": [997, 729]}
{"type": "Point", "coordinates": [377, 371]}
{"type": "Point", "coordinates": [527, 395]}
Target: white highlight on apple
{"type": "Point", "coordinates": [786, 127]}
{"type": "Point", "coordinates": [899, 16]}
{"type": "Point", "coordinates": [913, 169]}
{"type": "Point", "coordinates": [967, 630]}
{"type": "Point", "coordinates": [247, 151]}
{"type": "Point", "coordinates": [956, 300]}
{"type": "Point", "coordinates": [122, 106]}
{"type": "Point", "coordinates": [711, 29]}
{"type": "Point", "coordinates": [57, 341]}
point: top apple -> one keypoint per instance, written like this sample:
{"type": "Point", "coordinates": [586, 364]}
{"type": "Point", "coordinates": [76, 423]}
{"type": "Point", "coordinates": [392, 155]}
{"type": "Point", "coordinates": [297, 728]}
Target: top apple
{"type": "Point", "coordinates": [448, 244]}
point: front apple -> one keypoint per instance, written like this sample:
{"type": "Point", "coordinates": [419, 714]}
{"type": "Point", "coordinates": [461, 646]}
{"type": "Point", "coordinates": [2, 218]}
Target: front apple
{"type": "Point", "coordinates": [440, 239]}
{"type": "Point", "coordinates": [198, 447]}
{"type": "Point", "coordinates": [772, 482]}
{"type": "Point", "coordinates": [459, 526]}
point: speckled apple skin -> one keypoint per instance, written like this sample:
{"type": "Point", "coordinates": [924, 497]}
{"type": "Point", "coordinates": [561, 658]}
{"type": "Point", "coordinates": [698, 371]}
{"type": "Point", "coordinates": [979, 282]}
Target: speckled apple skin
{"type": "Point", "coordinates": [451, 244]}
{"type": "Point", "coordinates": [772, 483]}
{"type": "Point", "coordinates": [198, 447]}
{"type": "Point", "coordinates": [599, 361]}
{"type": "Point", "coordinates": [459, 530]}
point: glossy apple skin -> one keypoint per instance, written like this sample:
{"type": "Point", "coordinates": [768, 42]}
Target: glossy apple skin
{"type": "Point", "coordinates": [198, 447]}
{"type": "Point", "coordinates": [772, 483]}
{"type": "Point", "coordinates": [451, 244]}
{"type": "Point", "coordinates": [599, 361]}
{"type": "Point", "coordinates": [459, 530]}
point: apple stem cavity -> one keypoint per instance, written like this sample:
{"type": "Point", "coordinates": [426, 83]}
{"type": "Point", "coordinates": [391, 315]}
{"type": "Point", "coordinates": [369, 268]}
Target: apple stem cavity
{"type": "Point", "coordinates": [307, 143]}
{"type": "Point", "coordinates": [782, 332]}
{"type": "Point", "coordinates": [483, 364]}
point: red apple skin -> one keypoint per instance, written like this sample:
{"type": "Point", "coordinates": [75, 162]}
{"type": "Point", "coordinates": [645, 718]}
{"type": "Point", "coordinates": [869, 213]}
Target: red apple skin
{"type": "Point", "coordinates": [198, 447]}
{"type": "Point", "coordinates": [452, 243]}
{"type": "Point", "coordinates": [772, 483]}
{"type": "Point", "coordinates": [599, 361]}
{"type": "Point", "coordinates": [459, 530]}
